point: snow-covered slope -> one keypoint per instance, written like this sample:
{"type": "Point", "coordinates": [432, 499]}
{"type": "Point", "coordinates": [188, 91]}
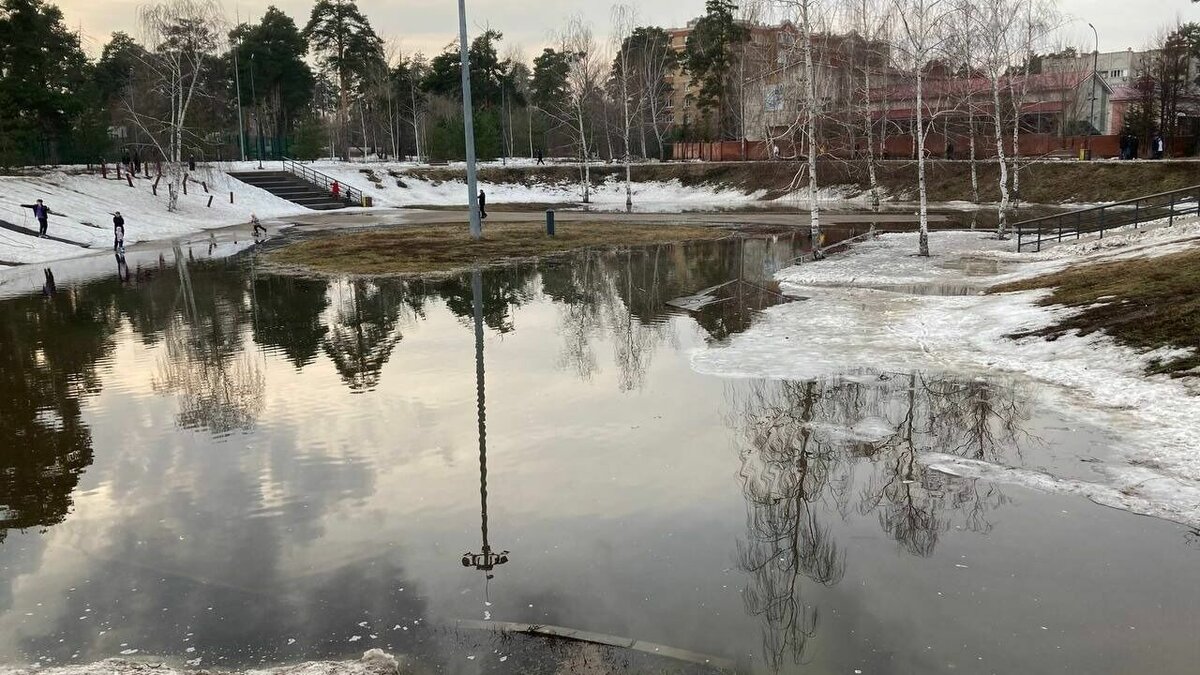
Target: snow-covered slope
{"type": "Point", "coordinates": [83, 205]}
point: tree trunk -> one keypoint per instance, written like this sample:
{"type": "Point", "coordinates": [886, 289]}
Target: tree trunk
{"type": "Point", "coordinates": [814, 224]}
{"type": "Point", "coordinates": [1002, 224]}
{"type": "Point", "coordinates": [923, 213]}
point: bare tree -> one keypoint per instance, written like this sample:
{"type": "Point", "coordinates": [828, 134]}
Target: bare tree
{"type": "Point", "coordinates": [623, 22]}
{"type": "Point", "coordinates": [183, 34]}
{"type": "Point", "coordinates": [922, 27]}
{"type": "Point", "coordinates": [583, 80]}
{"type": "Point", "coordinates": [998, 21]}
{"type": "Point", "coordinates": [869, 19]}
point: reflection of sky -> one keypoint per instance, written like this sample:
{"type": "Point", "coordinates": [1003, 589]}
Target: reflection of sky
{"type": "Point", "coordinates": [621, 506]}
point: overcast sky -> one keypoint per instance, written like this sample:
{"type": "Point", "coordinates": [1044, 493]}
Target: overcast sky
{"type": "Point", "coordinates": [428, 25]}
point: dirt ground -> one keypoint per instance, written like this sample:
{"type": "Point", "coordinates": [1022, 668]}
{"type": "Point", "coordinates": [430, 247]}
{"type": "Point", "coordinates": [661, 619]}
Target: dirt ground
{"type": "Point", "coordinates": [446, 248]}
{"type": "Point", "coordinates": [1146, 304]}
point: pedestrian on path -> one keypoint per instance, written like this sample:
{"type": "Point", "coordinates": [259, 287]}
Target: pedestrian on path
{"type": "Point", "coordinates": [118, 232]}
{"type": "Point", "coordinates": [258, 226]}
{"type": "Point", "coordinates": [337, 191]}
{"type": "Point", "coordinates": [1159, 146]}
{"type": "Point", "coordinates": [42, 213]}
{"type": "Point", "coordinates": [482, 205]}
{"type": "Point", "coordinates": [540, 158]}
{"type": "Point", "coordinates": [192, 163]}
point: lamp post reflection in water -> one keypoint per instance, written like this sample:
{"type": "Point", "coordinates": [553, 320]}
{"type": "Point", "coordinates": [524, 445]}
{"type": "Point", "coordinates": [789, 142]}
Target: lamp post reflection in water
{"type": "Point", "coordinates": [486, 560]}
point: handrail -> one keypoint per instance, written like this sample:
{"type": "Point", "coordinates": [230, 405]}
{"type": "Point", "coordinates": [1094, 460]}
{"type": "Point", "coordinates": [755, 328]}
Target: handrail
{"type": "Point", "coordinates": [350, 196]}
{"type": "Point", "coordinates": [1137, 211]}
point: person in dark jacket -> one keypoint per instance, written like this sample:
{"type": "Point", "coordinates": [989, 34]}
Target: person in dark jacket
{"type": "Point", "coordinates": [118, 232]}
{"type": "Point", "coordinates": [192, 163]}
{"type": "Point", "coordinates": [540, 158]}
{"type": "Point", "coordinates": [42, 213]}
{"type": "Point", "coordinates": [482, 205]}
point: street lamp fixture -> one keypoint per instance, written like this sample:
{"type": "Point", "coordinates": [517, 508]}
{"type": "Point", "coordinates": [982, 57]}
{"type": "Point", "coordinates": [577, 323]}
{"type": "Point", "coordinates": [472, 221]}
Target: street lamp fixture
{"type": "Point", "coordinates": [1092, 112]}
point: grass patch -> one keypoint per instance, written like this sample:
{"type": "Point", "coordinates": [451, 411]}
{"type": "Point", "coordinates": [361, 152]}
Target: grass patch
{"type": "Point", "coordinates": [1146, 304]}
{"type": "Point", "coordinates": [448, 248]}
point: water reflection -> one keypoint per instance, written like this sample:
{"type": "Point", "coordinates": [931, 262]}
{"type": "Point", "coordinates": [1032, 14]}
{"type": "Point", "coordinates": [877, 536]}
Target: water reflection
{"type": "Point", "coordinates": [51, 352]}
{"type": "Point", "coordinates": [813, 450]}
{"type": "Point", "coordinates": [218, 385]}
{"type": "Point", "coordinates": [486, 560]}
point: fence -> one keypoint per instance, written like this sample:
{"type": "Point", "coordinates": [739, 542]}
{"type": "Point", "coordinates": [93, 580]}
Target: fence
{"type": "Point", "coordinates": [1136, 212]}
{"type": "Point", "coordinates": [902, 146]}
{"type": "Point", "coordinates": [351, 196]}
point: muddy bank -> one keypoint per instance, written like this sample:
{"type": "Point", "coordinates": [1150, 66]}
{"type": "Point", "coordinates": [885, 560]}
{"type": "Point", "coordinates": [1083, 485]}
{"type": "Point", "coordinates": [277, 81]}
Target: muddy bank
{"type": "Point", "coordinates": [1041, 182]}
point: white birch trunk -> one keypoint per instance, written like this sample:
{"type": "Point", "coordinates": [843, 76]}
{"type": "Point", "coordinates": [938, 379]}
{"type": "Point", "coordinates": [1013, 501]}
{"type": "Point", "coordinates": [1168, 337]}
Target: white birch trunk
{"type": "Point", "coordinates": [1002, 224]}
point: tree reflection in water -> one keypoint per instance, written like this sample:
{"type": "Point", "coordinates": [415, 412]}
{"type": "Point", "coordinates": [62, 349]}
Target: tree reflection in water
{"type": "Point", "coordinates": [218, 385]}
{"type": "Point", "coordinates": [809, 449]}
{"type": "Point", "coordinates": [50, 349]}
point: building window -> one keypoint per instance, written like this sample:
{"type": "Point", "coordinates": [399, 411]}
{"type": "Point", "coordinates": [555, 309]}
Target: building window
{"type": "Point", "coordinates": [773, 98]}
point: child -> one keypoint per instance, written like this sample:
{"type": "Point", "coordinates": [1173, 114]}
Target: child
{"type": "Point", "coordinates": [118, 233]}
{"type": "Point", "coordinates": [258, 226]}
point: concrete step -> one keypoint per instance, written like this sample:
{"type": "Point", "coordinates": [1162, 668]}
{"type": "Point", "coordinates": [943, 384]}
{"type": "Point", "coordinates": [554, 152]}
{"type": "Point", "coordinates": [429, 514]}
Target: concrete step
{"type": "Point", "coordinates": [292, 188]}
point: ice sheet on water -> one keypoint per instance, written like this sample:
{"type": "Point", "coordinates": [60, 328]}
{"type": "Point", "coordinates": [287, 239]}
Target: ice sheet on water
{"type": "Point", "coordinates": [844, 328]}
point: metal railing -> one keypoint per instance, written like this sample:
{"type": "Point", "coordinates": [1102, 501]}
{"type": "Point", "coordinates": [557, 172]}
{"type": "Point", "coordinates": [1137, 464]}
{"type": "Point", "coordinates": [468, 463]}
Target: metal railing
{"type": "Point", "coordinates": [1164, 206]}
{"type": "Point", "coordinates": [350, 196]}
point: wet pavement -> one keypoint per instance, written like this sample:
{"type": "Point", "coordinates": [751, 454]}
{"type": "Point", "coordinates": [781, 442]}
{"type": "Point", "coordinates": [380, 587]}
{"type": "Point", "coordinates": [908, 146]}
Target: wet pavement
{"type": "Point", "coordinates": [222, 467]}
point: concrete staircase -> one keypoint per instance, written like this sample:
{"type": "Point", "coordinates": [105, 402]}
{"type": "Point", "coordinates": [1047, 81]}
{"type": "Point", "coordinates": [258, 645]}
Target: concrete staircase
{"type": "Point", "coordinates": [292, 188]}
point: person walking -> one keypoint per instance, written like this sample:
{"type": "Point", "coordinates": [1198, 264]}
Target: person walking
{"type": "Point", "coordinates": [192, 163]}
{"type": "Point", "coordinates": [1159, 146]}
{"type": "Point", "coordinates": [257, 225]}
{"type": "Point", "coordinates": [540, 158]}
{"type": "Point", "coordinates": [118, 232]}
{"type": "Point", "coordinates": [137, 162]}
{"type": "Point", "coordinates": [482, 205]}
{"type": "Point", "coordinates": [42, 213]}
{"type": "Point", "coordinates": [337, 191]}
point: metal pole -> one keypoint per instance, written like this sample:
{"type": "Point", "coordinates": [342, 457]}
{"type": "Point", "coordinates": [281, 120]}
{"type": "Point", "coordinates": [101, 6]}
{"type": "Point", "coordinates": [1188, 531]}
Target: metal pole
{"type": "Point", "coordinates": [237, 79]}
{"type": "Point", "coordinates": [257, 116]}
{"type": "Point", "coordinates": [468, 123]}
{"type": "Point", "coordinates": [1092, 113]}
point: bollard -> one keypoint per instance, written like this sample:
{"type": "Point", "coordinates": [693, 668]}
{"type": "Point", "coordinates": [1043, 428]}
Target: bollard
{"type": "Point", "coordinates": [550, 222]}
{"type": "Point", "coordinates": [210, 198]}
{"type": "Point", "coordinates": [231, 196]}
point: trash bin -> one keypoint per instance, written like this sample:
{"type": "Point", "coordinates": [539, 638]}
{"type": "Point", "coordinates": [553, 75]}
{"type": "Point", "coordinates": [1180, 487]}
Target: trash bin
{"type": "Point", "coordinates": [367, 200]}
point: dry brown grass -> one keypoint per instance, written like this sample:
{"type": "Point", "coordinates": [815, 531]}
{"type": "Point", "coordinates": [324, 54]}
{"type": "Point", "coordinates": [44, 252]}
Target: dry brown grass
{"type": "Point", "coordinates": [448, 248]}
{"type": "Point", "coordinates": [1145, 304]}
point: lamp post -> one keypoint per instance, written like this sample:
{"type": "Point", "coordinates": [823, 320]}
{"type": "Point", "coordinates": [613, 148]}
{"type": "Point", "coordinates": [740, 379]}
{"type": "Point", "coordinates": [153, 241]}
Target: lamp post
{"type": "Point", "coordinates": [257, 116]}
{"type": "Point", "coordinates": [1092, 112]}
{"type": "Point", "coordinates": [237, 80]}
{"type": "Point", "coordinates": [468, 123]}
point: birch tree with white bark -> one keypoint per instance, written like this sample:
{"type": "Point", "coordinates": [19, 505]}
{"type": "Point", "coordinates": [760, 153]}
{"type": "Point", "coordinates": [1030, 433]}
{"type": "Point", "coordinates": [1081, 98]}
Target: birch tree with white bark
{"type": "Point", "coordinates": [998, 23]}
{"type": "Point", "coordinates": [623, 23]}
{"type": "Point", "coordinates": [869, 19]}
{"type": "Point", "coordinates": [804, 14]}
{"type": "Point", "coordinates": [183, 35]}
{"type": "Point", "coordinates": [584, 71]}
{"type": "Point", "coordinates": [922, 32]}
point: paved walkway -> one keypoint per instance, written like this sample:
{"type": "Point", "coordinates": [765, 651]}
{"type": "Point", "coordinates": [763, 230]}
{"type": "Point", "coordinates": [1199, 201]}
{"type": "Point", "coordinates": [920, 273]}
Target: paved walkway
{"type": "Point", "coordinates": [333, 220]}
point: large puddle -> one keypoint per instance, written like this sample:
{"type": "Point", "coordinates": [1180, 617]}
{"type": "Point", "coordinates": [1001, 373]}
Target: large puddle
{"type": "Point", "coordinates": [210, 464]}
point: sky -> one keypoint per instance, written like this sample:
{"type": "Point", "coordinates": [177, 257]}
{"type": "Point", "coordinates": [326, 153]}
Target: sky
{"type": "Point", "coordinates": [429, 25]}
